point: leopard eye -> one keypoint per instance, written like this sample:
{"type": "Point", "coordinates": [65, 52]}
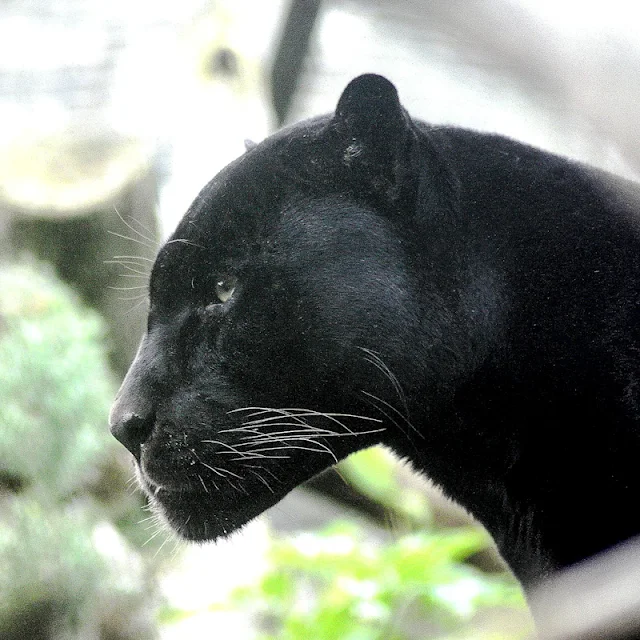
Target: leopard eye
{"type": "Point", "coordinates": [225, 287]}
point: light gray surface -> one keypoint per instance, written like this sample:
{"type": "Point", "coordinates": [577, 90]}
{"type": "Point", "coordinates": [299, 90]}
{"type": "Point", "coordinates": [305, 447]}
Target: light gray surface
{"type": "Point", "coordinates": [508, 66]}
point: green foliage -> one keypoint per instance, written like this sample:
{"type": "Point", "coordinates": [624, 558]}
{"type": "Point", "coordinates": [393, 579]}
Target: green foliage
{"type": "Point", "coordinates": [46, 556]}
{"type": "Point", "coordinates": [373, 472]}
{"type": "Point", "coordinates": [336, 585]}
{"type": "Point", "coordinates": [55, 386]}
{"type": "Point", "coordinates": [63, 564]}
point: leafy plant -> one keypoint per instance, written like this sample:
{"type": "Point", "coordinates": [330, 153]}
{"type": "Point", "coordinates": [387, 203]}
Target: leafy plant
{"type": "Point", "coordinates": [55, 386]}
{"type": "Point", "coordinates": [64, 566]}
{"type": "Point", "coordinates": [339, 585]}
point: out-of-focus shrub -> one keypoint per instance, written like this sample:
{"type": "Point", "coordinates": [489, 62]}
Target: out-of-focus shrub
{"type": "Point", "coordinates": [339, 585]}
{"type": "Point", "coordinates": [67, 572]}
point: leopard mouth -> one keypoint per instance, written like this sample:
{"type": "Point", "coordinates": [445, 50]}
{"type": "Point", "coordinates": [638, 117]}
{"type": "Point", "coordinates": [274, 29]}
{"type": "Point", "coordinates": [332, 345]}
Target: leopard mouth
{"type": "Point", "coordinates": [200, 516]}
{"type": "Point", "coordinates": [209, 483]}
{"type": "Point", "coordinates": [153, 487]}
{"type": "Point", "coordinates": [198, 509]}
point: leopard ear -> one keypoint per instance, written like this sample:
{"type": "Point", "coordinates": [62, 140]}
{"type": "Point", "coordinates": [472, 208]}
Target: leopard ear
{"type": "Point", "coordinates": [375, 133]}
{"type": "Point", "coordinates": [368, 103]}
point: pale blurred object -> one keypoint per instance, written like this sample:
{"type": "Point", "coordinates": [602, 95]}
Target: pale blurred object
{"type": "Point", "coordinates": [200, 581]}
{"type": "Point", "coordinates": [596, 599]}
{"type": "Point", "coordinates": [561, 75]}
{"type": "Point", "coordinates": [220, 99]}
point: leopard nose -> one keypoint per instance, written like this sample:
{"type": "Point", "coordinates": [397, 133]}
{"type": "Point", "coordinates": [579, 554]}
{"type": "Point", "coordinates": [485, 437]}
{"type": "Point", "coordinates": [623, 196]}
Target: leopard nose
{"type": "Point", "coordinates": [133, 415]}
{"type": "Point", "coordinates": [131, 429]}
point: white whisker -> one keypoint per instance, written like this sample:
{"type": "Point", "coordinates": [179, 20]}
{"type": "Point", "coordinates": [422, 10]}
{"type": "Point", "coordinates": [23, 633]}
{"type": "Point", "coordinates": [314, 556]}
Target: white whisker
{"type": "Point", "coordinates": [377, 362]}
{"type": "Point", "coordinates": [256, 456]}
{"type": "Point", "coordinates": [301, 413]}
{"type": "Point", "coordinates": [134, 288]}
{"type": "Point", "coordinates": [130, 265]}
{"type": "Point", "coordinates": [145, 244]}
{"type": "Point", "coordinates": [392, 408]}
{"type": "Point", "coordinates": [264, 482]}
{"type": "Point", "coordinates": [148, 230]}
{"type": "Point", "coordinates": [253, 466]}
{"type": "Point", "coordinates": [238, 488]}
{"type": "Point", "coordinates": [159, 549]}
{"type": "Point", "coordinates": [239, 430]}
{"type": "Point", "coordinates": [134, 258]}
{"type": "Point", "coordinates": [323, 449]}
{"type": "Point", "coordinates": [155, 535]}
{"type": "Point", "coordinates": [204, 486]}
{"type": "Point", "coordinates": [223, 470]}
{"type": "Point", "coordinates": [223, 444]}
{"type": "Point", "coordinates": [185, 241]}
{"type": "Point", "coordinates": [136, 306]}
{"type": "Point", "coordinates": [303, 435]}
{"type": "Point", "coordinates": [151, 241]}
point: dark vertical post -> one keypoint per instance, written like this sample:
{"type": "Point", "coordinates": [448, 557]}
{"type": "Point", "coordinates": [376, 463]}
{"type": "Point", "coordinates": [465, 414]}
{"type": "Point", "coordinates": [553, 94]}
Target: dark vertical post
{"type": "Point", "coordinates": [290, 54]}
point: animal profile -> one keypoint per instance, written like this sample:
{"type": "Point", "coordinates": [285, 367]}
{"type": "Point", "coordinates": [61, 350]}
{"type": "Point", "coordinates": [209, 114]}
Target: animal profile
{"type": "Point", "coordinates": [364, 277]}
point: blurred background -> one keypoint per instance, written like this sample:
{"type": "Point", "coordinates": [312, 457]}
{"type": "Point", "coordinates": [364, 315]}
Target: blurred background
{"type": "Point", "coordinates": [112, 117]}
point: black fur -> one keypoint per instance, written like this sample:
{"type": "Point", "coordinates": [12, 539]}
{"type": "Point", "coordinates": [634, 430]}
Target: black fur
{"type": "Point", "coordinates": [472, 299]}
